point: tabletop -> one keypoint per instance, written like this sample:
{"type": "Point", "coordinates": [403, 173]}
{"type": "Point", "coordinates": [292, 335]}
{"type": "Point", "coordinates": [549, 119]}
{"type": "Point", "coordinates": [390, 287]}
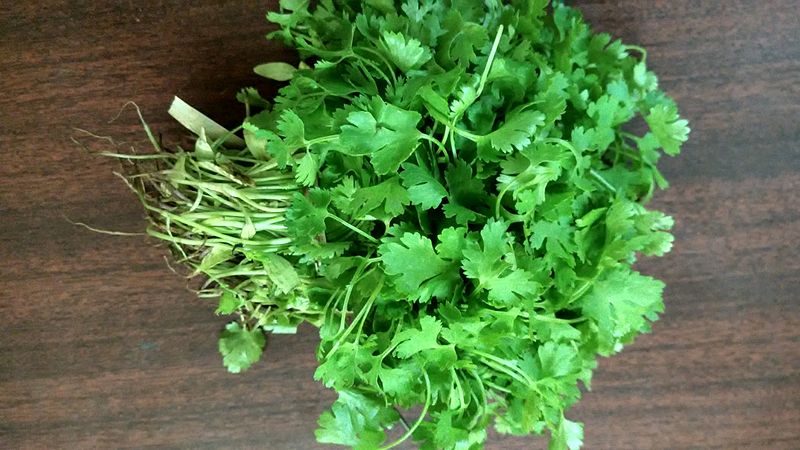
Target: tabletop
{"type": "Point", "coordinates": [103, 347]}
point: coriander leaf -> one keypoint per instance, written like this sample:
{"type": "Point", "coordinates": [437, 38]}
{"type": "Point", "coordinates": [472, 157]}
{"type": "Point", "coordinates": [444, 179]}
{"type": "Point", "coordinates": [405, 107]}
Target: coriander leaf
{"type": "Point", "coordinates": [558, 240]}
{"type": "Point", "coordinates": [264, 144]}
{"type": "Point", "coordinates": [217, 254]}
{"type": "Point", "coordinates": [306, 171]}
{"type": "Point", "coordinates": [411, 341]}
{"type": "Point", "coordinates": [552, 96]}
{"type": "Point", "coordinates": [487, 264]}
{"type": "Point", "coordinates": [291, 128]}
{"type": "Point", "coordinates": [607, 112]}
{"type": "Point", "coordinates": [465, 96]}
{"type": "Point", "coordinates": [435, 104]}
{"type": "Point", "coordinates": [306, 217]}
{"type": "Point", "coordinates": [281, 272]}
{"type": "Point", "coordinates": [346, 367]}
{"type": "Point", "coordinates": [418, 272]}
{"type": "Point", "coordinates": [459, 45]}
{"type": "Point", "coordinates": [361, 128]}
{"type": "Point", "coordinates": [518, 285]}
{"type": "Point", "coordinates": [467, 194]}
{"type": "Point", "coordinates": [355, 420]}
{"type": "Point", "coordinates": [452, 242]}
{"type": "Point", "coordinates": [228, 303]}
{"type": "Point", "coordinates": [629, 229]}
{"type": "Point", "coordinates": [670, 130]}
{"type": "Point", "coordinates": [423, 189]}
{"type": "Point", "coordinates": [387, 133]}
{"type": "Point", "coordinates": [644, 79]}
{"type": "Point", "coordinates": [568, 435]}
{"type": "Point", "coordinates": [557, 360]}
{"type": "Point", "coordinates": [620, 303]}
{"type": "Point", "coordinates": [240, 347]}
{"type": "Point", "coordinates": [406, 52]}
{"type": "Point", "coordinates": [298, 12]}
{"type": "Point", "coordinates": [515, 133]}
{"type": "Point", "coordinates": [398, 381]}
{"type": "Point", "coordinates": [366, 202]}
{"type": "Point", "coordinates": [278, 71]}
{"type": "Point", "coordinates": [448, 434]}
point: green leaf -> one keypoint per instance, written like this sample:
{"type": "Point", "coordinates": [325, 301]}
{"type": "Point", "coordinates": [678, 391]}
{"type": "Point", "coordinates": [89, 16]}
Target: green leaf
{"type": "Point", "coordinates": [217, 255]}
{"type": "Point", "coordinates": [305, 219]}
{"type": "Point", "coordinates": [406, 52]}
{"type": "Point", "coordinates": [306, 171]}
{"type": "Point", "coordinates": [387, 133]}
{"type": "Point", "coordinates": [620, 303]}
{"type": "Point", "coordinates": [264, 145]}
{"type": "Point", "coordinates": [382, 201]}
{"type": "Point", "coordinates": [418, 272]}
{"type": "Point", "coordinates": [281, 272]}
{"type": "Point", "coordinates": [278, 71]}
{"type": "Point", "coordinates": [240, 348]}
{"type": "Point", "coordinates": [468, 198]}
{"type": "Point", "coordinates": [355, 420]}
{"type": "Point", "coordinates": [460, 45]}
{"type": "Point", "coordinates": [291, 128]}
{"type": "Point", "coordinates": [452, 242]}
{"type": "Point", "coordinates": [516, 132]}
{"type": "Point", "coordinates": [398, 381]}
{"type": "Point", "coordinates": [228, 303]}
{"type": "Point", "coordinates": [557, 238]}
{"type": "Point", "coordinates": [435, 104]}
{"type": "Point", "coordinates": [489, 265]}
{"type": "Point", "coordinates": [423, 189]}
{"type": "Point", "coordinates": [670, 130]}
{"type": "Point", "coordinates": [552, 96]}
{"type": "Point", "coordinates": [568, 436]}
{"type": "Point", "coordinates": [411, 341]}
{"type": "Point", "coordinates": [557, 360]}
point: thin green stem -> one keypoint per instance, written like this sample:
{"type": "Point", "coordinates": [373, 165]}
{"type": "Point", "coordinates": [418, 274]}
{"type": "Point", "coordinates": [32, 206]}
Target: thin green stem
{"type": "Point", "coordinates": [557, 320]}
{"type": "Point", "coordinates": [321, 140]}
{"type": "Point", "coordinates": [638, 49]}
{"type": "Point", "coordinates": [435, 141]}
{"type": "Point", "coordinates": [459, 389]}
{"type": "Point", "coordinates": [602, 180]}
{"type": "Point", "coordinates": [421, 418]}
{"type": "Point", "coordinates": [489, 61]}
{"type": "Point", "coordinates": [497, 387]}
{"type": "Point", "coordinates": [505, 363]}
{"type": "Point", "coordinates": [382, 58]}
{"type": "Point", "coordinates": [145, 157]}
{"type": "Point", "coordinates": [353, 228]}
{"type": "Point", "coordinates": [348, 293]}
{"type": "Point", "coordinates": [364, 310]}
{"type": "Point", "coordinates": [467, 134]}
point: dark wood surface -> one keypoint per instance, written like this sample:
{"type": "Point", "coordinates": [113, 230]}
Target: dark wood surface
{"type": "Point", "coordinates": [102, 347]}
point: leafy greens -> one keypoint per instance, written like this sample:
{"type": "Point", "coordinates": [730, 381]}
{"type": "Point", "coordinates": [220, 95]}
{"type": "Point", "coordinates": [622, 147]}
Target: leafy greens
{"type": "Point", "coordinates": [446, 190]}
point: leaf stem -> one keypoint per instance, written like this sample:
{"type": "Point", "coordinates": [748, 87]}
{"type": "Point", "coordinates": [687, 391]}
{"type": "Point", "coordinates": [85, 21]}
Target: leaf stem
{"type": "Point", "coordinates": [353, 228]}
{"type": "Point", "coordinates": [638, 49]}
{"type": "Point", "coordinates": [489, 61]}
{"type": "Point", "coordinates": [320, 140]}
{"type": "Point", "coordinates": [421, 418]}
{"type": "Point", "coordinates": [602, 181]}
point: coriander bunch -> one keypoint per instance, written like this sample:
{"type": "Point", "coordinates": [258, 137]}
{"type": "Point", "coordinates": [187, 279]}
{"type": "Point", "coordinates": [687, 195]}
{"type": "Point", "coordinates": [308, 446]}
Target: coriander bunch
{"type": "Point", "coordinates": [450, 191]}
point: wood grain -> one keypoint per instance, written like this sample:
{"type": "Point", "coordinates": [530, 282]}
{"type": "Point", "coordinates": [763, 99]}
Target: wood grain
{"type": "Point", "coordinates": [102, 347]}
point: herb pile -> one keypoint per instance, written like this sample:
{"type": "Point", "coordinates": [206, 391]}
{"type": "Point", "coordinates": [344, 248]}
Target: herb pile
{"type": "Point", "coordinates": [445, 189]}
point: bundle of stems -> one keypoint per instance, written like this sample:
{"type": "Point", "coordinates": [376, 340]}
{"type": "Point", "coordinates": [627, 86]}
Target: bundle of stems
{"type": "Point", "coordinates": [222, 213]}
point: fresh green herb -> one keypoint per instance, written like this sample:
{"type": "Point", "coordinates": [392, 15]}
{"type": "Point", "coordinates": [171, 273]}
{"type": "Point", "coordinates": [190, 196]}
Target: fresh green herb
{"type": "Point", "coordinates": [449, 191]}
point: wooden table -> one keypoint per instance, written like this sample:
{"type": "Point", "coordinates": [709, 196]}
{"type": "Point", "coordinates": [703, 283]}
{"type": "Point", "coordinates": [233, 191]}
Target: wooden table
{"type": "Point", "coordinates": [103, 347]}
